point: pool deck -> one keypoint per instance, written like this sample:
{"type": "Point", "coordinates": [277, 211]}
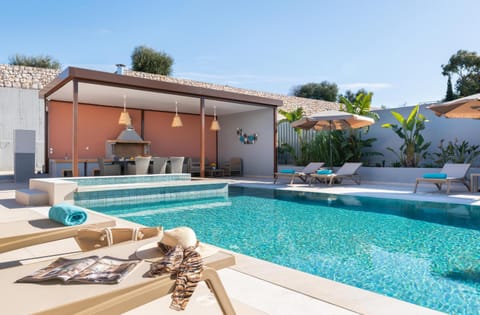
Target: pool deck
{"type": "Point", "coordinates": [259, 287]}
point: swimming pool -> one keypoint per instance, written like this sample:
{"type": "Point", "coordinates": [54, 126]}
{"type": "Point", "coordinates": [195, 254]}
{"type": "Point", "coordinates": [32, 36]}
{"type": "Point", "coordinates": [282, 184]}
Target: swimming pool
{"type": "Point", "coordinates": [421, 252]}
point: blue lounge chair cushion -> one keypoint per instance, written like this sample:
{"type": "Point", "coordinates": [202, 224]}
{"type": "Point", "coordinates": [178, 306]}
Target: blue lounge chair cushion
{"type": "Point", "coordinates": [67, 214]}
{"type": "Point", "coordinates": [324, 172]}
{"type": "Point", "coordinates": [287, 171]}
{"type": "Point", "coordinates": [435, 175]}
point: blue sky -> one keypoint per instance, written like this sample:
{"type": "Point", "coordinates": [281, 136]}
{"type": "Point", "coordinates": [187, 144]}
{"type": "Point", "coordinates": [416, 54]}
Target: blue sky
{"type": "Point", "coordinates": [393, 48]}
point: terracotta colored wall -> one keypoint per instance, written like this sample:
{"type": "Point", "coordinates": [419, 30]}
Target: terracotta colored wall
{"type": "Point", "coordinates": [98, 124]}
{"type": "Point", "coordinates": [182, 141]}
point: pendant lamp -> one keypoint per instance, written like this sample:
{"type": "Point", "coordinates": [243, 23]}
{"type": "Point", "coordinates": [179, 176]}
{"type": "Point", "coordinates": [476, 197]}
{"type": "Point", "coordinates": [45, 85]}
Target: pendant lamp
{"type": "Point", "coordinates": [215, 126]}
{"type": "Point", "coordinates": [177, 121]}
{"type": "Point", "coordinates": [124, 116]}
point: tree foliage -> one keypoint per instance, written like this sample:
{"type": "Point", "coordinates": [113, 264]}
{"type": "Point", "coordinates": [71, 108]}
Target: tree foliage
{"type": "Point", "coordinates": [34, 61]}
{"type": "Point", "coordinates": [321, 91]}
{"type": "Point", "coordinates": [465, 66]}
{"type": "Point", "coordinates": [148, 60]}
{"type": "Point", "coordinates": [409, 129]}
{"type": "Point", "coordinates": [449, 96]}
{"type": "Point", "coordinates": [349, 95]}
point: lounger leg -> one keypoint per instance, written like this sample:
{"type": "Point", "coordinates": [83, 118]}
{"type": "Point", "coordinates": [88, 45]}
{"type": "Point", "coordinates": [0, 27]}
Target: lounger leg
{"type": "Point", "coordinates": [210, 276]}
{"type": "Point", "coordinates": [292, 179]}
{"type": "Point", "coordinates": [416, 185]}
{"type": "Point", "coordinates": [448, 187]}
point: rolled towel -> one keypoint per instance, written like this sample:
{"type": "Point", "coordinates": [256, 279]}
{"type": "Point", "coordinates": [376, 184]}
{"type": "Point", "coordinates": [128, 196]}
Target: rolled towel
{"type": "Point", "coordinates": [435, 175]}
{"type": "Point", "coordinates": [67, 214]}
{"type": "Point", "coordinates": [324, 172]}
{"type": "Point", "coordinates": [287, 171]}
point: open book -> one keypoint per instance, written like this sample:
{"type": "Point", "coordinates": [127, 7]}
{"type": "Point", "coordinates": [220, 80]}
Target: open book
{"type": "Point", "coordinates": [92, 269]}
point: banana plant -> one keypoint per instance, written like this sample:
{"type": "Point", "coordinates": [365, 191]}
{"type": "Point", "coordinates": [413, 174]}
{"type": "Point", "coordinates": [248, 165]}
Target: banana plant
{"type": "Point", "coordinates": [291, 117]}
{"type": "Point", "coordinates": [353, 146]}
{"type": "Point", "coordinates": [409, 129]}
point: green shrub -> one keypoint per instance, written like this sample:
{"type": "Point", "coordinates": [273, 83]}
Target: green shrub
{"type": "Point", "coordinates": [34, 61]}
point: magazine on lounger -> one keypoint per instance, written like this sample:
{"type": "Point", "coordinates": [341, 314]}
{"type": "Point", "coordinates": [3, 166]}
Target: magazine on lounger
{"type": "Point", "coordinates": [91, 269]}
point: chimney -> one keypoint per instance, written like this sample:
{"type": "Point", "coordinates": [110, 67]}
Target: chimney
{"type": "Point", "coordinates": [120, 68]}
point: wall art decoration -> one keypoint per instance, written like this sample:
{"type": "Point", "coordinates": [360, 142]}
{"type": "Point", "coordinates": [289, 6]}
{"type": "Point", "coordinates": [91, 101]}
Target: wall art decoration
{"type": "Point", "coordinates": [246, 138]}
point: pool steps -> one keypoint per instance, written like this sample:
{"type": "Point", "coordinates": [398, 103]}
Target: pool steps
{"type": "Point", "coordinates": [119, 189]}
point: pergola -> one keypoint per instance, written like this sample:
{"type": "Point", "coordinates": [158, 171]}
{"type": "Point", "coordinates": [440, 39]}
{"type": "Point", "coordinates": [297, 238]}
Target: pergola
{"type": "Point", "coordinates": [84, 86]}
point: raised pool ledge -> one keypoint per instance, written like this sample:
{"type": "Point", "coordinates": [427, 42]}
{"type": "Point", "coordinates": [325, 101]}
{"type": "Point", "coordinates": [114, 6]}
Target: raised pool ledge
{"type": "Point", "coordinates": [79, 189]}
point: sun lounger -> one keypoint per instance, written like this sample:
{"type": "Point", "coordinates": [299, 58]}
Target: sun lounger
{"type": "Point", "coordinates": [37, 229]}
{"type": "Point", "coordinates": [303, 174]}
{"type": "Point", "coordinates": [133, 291]}
{"type": "Point", "coordinates": [348, 170]}
{"type": "Point", "coordinates": [450, 173]}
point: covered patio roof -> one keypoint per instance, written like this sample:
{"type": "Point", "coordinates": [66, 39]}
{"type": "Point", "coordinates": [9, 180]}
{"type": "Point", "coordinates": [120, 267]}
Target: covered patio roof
{"type": "Point", "coordinates": [77, 85]}
{"type": "Point", "coordinates": [108, 89]}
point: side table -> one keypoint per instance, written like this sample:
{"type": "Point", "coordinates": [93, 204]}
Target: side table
{"type": "Point", "coordinates": [474, 182]}
{"type": "Point", "coordinates": [218, 172]}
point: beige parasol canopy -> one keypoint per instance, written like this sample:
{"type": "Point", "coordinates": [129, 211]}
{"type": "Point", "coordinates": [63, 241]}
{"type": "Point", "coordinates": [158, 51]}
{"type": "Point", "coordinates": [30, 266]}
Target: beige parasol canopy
{"type": "Point", "coordinates": [332, 120]}
{"type": "Point", "coordinates": [465, 107]}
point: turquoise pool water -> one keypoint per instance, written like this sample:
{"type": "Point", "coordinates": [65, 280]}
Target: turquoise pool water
{"type": "Point", "coordinates": [421, 252]}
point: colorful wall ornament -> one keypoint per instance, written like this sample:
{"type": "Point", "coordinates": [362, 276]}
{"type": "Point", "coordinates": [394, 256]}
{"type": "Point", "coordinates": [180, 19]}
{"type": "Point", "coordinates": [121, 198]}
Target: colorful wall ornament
{"type": "Point", "coordinates": [246, 138]}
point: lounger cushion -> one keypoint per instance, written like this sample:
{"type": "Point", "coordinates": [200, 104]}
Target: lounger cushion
{"type": "Point", "coordinates": [324, 172]}
{"type": "Point", "coordinates": [67, 214]}
{"type": "Point", "coordinates": [435, 175]}
{"type": "Point", "coordinates": [287, 171]}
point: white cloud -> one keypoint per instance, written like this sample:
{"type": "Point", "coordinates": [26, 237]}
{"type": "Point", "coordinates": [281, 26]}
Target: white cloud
{"type": "Point", "coordinates": [367, 86]}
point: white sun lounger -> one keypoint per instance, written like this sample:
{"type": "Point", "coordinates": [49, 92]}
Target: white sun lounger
{"type": "Point", "coordinates": [31, 228]}
{"type": "Point", "coordinates": [133, 291]}
{"type": "Point", "coordinates": [303, 174]}
{"type": "Point", "coordinates": [455, 172]}
{"type": "Point", "coordinates": [348, 170]}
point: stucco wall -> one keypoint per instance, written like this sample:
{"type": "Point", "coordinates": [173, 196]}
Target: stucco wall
{"type": "Point", "coordinates": [258, 158]}
{"type": "Point", "coordinates": [20, 109]}
{"type": "Point", "coordinates": [437, 128]}
{"type": "Point", "coordinates": [100, 123]}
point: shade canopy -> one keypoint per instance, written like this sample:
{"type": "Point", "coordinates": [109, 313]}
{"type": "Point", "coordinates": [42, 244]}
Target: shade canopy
{"type": "Point", "coordinates": [333, 120]}
{"type": "Point", "coordinates": [465, 107]}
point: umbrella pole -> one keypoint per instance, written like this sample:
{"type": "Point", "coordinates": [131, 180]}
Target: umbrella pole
{"type": "Point", "coordinates": [330, 144]}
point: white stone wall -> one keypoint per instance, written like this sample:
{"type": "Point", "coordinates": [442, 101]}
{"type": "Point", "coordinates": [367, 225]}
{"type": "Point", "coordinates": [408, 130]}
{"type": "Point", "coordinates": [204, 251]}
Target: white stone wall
{"type": "Point", "coordinates": [26, 77]}
{"type": "Point", "coordinates": [20, 109]}
{"type": "Point", "coordinates": [437, 128]}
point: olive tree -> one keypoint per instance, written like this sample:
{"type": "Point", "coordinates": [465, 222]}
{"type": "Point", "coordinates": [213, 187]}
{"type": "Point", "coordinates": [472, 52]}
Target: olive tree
{"type": "Point", "coordinates": [148, 60]}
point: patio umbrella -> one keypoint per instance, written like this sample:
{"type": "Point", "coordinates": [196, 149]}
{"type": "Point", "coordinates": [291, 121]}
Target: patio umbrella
{"type": "Point", "coordinates": [332, 120]}
{"type": "Point", "coordinates": [465, 107]}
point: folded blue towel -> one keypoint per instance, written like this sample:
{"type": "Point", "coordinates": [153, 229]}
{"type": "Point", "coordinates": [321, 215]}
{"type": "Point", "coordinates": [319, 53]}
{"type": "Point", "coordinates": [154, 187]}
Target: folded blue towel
{"type": "Point", "coordinates": [435, 175]}
{"type": "Point", "coordinates": [324, 172]}
{"type": "Point", "coordinates": [67, 214]}
{"type": "Point", "coordinates": [287, 171]}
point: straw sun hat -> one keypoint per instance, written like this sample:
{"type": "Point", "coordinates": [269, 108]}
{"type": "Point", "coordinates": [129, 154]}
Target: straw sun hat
{"type": "Point", "coordinates": [183, 236]}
